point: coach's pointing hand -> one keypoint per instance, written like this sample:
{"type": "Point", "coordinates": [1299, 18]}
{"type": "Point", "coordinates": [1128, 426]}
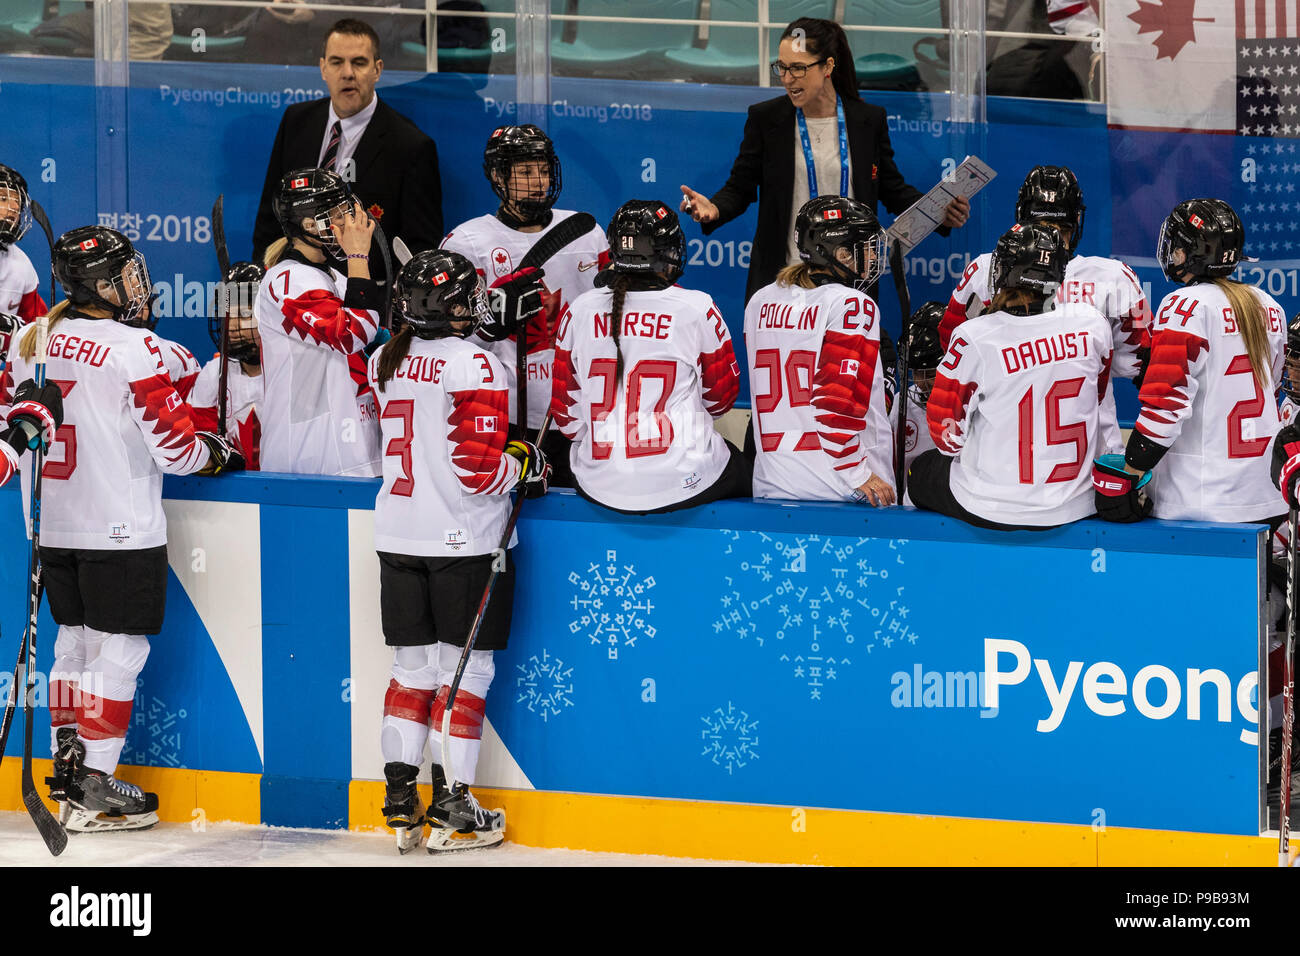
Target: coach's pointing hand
{"type": "Point", "coordinates": [697, 206]}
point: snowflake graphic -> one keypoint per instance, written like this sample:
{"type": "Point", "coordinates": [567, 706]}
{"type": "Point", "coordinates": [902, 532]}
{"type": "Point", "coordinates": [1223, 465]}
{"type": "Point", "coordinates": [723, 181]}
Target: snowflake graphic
{"type": "Point", "coordinates": [613, 606]}
{"type": "Point", "coordinates": [821, 597]}
{"type": "Point", "coordinates": [154, 737]}
{"type": "Point", "coordinates": [545, 685]}
{"type": "Point", "coordinates": [730, 738]}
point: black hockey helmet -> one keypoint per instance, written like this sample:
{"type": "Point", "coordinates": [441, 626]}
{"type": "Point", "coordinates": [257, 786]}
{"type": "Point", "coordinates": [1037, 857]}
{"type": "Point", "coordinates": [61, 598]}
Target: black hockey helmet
{"type": "Point", "coordinates": [1051, 194]}
{"type": "Point", "coordinates": [91, 260]}
{"type": "Point", "coordinates": [319, 195]}
{"type": "Point", "coordinates": [1291, 369]}
{"type": "Point", "coordinates": [436, 288]}
{"type": "Point", "coordinates": [828, 223]}
{"type": "Point", "coordinates": [15, 207]}
{"type": "Point", "coordinates": [1210, 236]}
{"type": "Point", "coordinates": [233, 300]}
{"type": "Point", "coordinates": [519, 144]}
{"type": "Point", "coordinates": [1030, 257]}
{"type": "Point", "coordinates": [646, 239]}
{"type": "Point", "coordinates": [923, 349]}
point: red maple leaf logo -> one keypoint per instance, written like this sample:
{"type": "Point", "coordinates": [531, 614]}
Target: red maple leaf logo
{"type": "Point", "coordinates": [1175, 20]}
{"type": "Point", "coordinates": [501, 257]}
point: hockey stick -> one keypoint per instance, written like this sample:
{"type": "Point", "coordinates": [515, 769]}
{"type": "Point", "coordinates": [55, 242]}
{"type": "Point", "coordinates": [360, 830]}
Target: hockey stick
{"type": "Point", "coordinates": [388, 275]}
{"type": "Point", "coordinates": [905, 302]}
{"type": "Point", "coordinates": [223, 305]}
{"type": "Point", "coordinates": [52, 832]}
{"type": "Point", "coordinates": [399, 249]}
{"type": "Point", "coordinates": [42, 220]}
{"type": "Point", "coordinates": [1288, 689]}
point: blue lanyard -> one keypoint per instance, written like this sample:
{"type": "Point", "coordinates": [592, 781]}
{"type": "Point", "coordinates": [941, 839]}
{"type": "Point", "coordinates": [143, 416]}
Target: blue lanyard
{"type": "Point", "coordinates": [808, 153]}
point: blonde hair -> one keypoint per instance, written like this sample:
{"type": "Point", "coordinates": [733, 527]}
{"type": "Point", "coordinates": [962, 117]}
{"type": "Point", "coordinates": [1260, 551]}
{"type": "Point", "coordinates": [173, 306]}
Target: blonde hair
{"type": "Point", "coordinates": [275, 252]}
{"type": "Point", "coordinates": [1250, 322]}
{"type": "Point", "coordinates": [798, 274]}
{"type": "Point", "coordinates": [27, 345]}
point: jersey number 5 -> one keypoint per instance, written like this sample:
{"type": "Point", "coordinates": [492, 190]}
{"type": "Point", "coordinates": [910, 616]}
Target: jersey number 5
{"type": "Point", "coordinates": [62, 469]}
{"type": "Point", "coordinates": [1057, 434]}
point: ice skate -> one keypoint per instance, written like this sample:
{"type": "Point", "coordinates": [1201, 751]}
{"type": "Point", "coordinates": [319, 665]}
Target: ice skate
{"type": "Point", "coordinates": [403, 808]}
{"type": "Point", "coordinates": [70, 752]}
{"type": "Point", "coordinates": [99, 802]}
{"type": "Point", "coordinates": [459, 823]}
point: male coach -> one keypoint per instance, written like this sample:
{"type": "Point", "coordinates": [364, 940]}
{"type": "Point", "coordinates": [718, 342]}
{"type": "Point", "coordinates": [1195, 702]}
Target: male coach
{"type": "Point", "coordinates": [391, 165]}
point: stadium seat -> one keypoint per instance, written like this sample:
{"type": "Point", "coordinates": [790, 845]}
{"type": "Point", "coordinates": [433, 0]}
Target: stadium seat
{"type": "Point", "coordinates": [627, 49]}
{"type": "Point", "coordinates": [731, 53]}
{"type": "Point", "coordinates": [885, 60]}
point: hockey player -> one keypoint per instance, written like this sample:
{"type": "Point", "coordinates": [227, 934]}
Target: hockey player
{"type": "Point", "coordinates": [439, 519]}
{"type": "Point", "coordinates": [641, 370]}
{"type": "Point", "coordinates": [1208, 408]}
{"type": "Point", "coordinates": [1051, 195]}
{"type": "Point", "coordinates": [103, 542]}
{"type": "Point", "coordinates": [1291, 373]}
{"type": "Point", "coordinates": [521, 164]}
{"type": "Point", "coordinates": [815, 370]}
{"type": "Point", "coordinates": [923, 357]}
{"type": "Point", "coordinates": [233, 305]}
{"type": "Point", "coordinates": [20, 294]}
{"type": "Point", "coordinates": [318, 414]}
{"type": "Point", "coordinates": [1014, 409]}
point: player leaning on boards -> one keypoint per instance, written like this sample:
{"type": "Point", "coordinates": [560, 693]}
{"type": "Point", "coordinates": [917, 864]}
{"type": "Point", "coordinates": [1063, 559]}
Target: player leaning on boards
{"type": "Point", "coordinates": [316, 310]}
{"type": "Point", "coordinates": [103, 548]}
{"type": "Point", "coordinates": [813, 336]}
{"type": "Point", "coordinates": [642, 367]}
{"type": "Point", "coordinates": [521, 164]}
{"type": "Point", "coordinates": [1014, 410]}
{"type": "Point", "coordinates": [924, 353]}
{"type": "Point", "coordinates": [439, 519]}
{"type": "Point", "coordinates": [1050, 195]}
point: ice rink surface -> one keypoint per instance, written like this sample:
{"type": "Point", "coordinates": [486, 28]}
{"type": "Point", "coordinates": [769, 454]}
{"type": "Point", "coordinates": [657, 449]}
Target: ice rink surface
{"type": "Point", "coordinates": [242, 844]}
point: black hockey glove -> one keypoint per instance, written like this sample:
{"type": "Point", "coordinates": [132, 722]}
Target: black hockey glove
{"type": "Point", "coordinates": [1119, 495]}
{"type": "Point", "coordinates": [513, 301]}
{"type": "Point", "coordinates": [9, 324]}
{"type": "Point", "coordinates": [223, 456]}
{"type": "Point", "coordinates": [1144, 359]}
{"type": "Point", "coordinates": [35, 415]}
{"type": "Point", "coordinates": [1286, 461]}
{"type": "Point", "coordinates": [535, 470]}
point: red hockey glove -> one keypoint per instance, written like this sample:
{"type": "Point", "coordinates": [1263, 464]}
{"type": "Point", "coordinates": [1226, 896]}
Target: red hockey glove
{"type": "Point", "coordinates": [38, 412]}
{"type": "Point", "coordinates": [1286, 461]}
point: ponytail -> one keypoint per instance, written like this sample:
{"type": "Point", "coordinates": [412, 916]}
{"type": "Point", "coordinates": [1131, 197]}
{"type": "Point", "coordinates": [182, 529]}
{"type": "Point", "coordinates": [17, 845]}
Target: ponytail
{"type": "Point", "coordinates": [1015, 297]}
{"type": "Point", "coordinates": [27, 345]}
{"type": "Point", "coordinates": [824, 38]}
{"type": "Point", "coordinates": [1250, 321]}
{"type": "Point", "coordinates": [798, 274]}
{"type": "Point", "coordinates": [394, 350]}
{"type": "Point", "coordinates": [619, 288]}
{"type": "Point", "coordinates": [275, 252]}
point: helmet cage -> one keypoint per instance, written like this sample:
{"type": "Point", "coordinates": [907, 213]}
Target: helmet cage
{"type": "Point", "coordinates": [14, 227]}
{"type": "Point", "coordinates": [133, 291]}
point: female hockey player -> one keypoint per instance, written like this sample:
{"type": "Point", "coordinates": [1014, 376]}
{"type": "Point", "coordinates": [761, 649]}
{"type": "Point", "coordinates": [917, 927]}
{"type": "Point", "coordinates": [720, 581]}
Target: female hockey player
{"type": "Point", "coordinates": [923, 357]}
{"type": "Point", "coordinates": [233, 306]}
{"type": "Point", "coordinates": [641, 370]}
{"type": "Point", "coordinates": [318, 414]}
{"type": "Point", "coordinates": [439, 520]}
{"type": "Point", "coordinates": [521, 164]}
{"type": "Point", "coordinates": [20, 294]}
{"type": "Point", "coordinates": [103, 533]}
{"type": "Point", "coordinates": [820, 421]}
{"type": "Point", "coordinates": [1015, 401]}
{"type": "Point", "coordinates": [1209, 408]}
{"type": "Point", "coordinates": [1050, 195]}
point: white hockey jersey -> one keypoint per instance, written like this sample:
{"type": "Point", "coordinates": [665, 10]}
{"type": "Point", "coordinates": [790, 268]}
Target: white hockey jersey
{"type": "Point", "coordinates": [820, 425]}
{"type": "Point", "coordinates": [497, 250]}
{"type": "Point", "coordinates": [1016, 400]}
{"type": "Point", "coordinates": [318, 413]}
{"type": "Point", "coordinates": [181, 364]}
{"type": "Point", "coordinates": [917, 440]}
{"type": "Point", "coordinates": [20, 292]}
{"type": "Point", "coordinates": [124, 425]}
{"type": "Point", "coordinates": [1201, 401]}
{"type": "Point", "coordinates": [1106, 284]}
{"type": "Point", "coordinates": [446, 474]}
{"type": "Point", "coordinates": [243, 397]}
{"type": "Point", "coordinates": [645, 440]}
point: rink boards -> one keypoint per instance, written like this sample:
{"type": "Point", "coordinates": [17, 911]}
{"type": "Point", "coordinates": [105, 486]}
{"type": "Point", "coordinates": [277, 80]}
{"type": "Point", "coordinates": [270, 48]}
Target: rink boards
{"type": "Point", "coordinates": [752, 680]}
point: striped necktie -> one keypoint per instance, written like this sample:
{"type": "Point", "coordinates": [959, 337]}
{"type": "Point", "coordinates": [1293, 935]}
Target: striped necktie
{"type": "Point", "coordinates": [332, 150]}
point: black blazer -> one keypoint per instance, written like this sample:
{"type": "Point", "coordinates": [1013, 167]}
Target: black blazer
{"type": "Point", "coordinates": [764, 170]}
{"type": "Point", "coordinates": [396, 170]}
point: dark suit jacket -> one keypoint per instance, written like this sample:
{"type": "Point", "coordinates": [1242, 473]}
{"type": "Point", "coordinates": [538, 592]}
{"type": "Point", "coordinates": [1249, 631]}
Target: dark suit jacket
{"type": "Point", "coordinates": [396, 169]}
{"type": "Point", "coordinates": [764, 170]}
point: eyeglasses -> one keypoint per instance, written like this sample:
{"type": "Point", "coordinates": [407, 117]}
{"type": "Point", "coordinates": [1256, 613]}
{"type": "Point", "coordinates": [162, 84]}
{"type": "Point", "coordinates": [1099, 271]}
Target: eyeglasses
{"type": "Point", "coordinates": [796, 70]}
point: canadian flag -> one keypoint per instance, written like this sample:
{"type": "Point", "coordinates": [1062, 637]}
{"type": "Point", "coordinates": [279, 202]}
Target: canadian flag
{"type": "Point", "coordinates": [831, 214]}
{"type": "Point", "coordinates": [298, 183]}
{"type": "Point", "coordinates": [485, 424]}
{"type": "Point", "coordinates": [89, 244]}
{"type": "Point", "coordinates": [440, 278]}
{"type": "Point", "coordinates": [660, 212]}
{"type": "Point", "coordinates": [849, 367]}
{"type": "Point", "coordinates": [1196, 221]}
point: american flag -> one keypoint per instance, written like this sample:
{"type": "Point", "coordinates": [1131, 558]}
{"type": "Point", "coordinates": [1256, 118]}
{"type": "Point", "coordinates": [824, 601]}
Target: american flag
{"type": "Point", "coordinates": [1268, 87]}
{"type": "Point", "coordinates": [1263, 19]}
{"type": "Point", "coordinates": [1271, 211]}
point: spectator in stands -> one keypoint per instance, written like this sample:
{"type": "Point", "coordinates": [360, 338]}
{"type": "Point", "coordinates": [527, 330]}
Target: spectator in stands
{"type": "Point", "coordinates": [391, 165]}
{"type": "Point", "coordinates": [791, 151]}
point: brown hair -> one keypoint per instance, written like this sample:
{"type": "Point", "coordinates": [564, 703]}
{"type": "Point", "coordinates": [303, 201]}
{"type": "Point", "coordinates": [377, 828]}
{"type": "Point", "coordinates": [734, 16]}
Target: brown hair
{"type": "Point", "coordinates": [1250, 321]}
{"type": "Point", "coordinates": [825, 38]}
{"type": "Point", "coordinates": [353, 28]}
{"type": "Point", "coordinates": [27, 347]}
{"type": "Point", "coordinates": [619, 288]}
{"type": "Point", "coordinates": [394, 350]}
{"type": "Point", "coordinates": [1013, 295]}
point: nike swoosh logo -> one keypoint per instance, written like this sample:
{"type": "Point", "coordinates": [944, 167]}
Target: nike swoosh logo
{"type": "Point", "coordinates": [584, 266]}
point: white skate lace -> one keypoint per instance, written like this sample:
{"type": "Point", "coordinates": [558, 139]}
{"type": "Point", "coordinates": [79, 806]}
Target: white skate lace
{"type": "Point", "coordinates": [481, 816]}
{"type": "Point", "coordinates": [121, 786]}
